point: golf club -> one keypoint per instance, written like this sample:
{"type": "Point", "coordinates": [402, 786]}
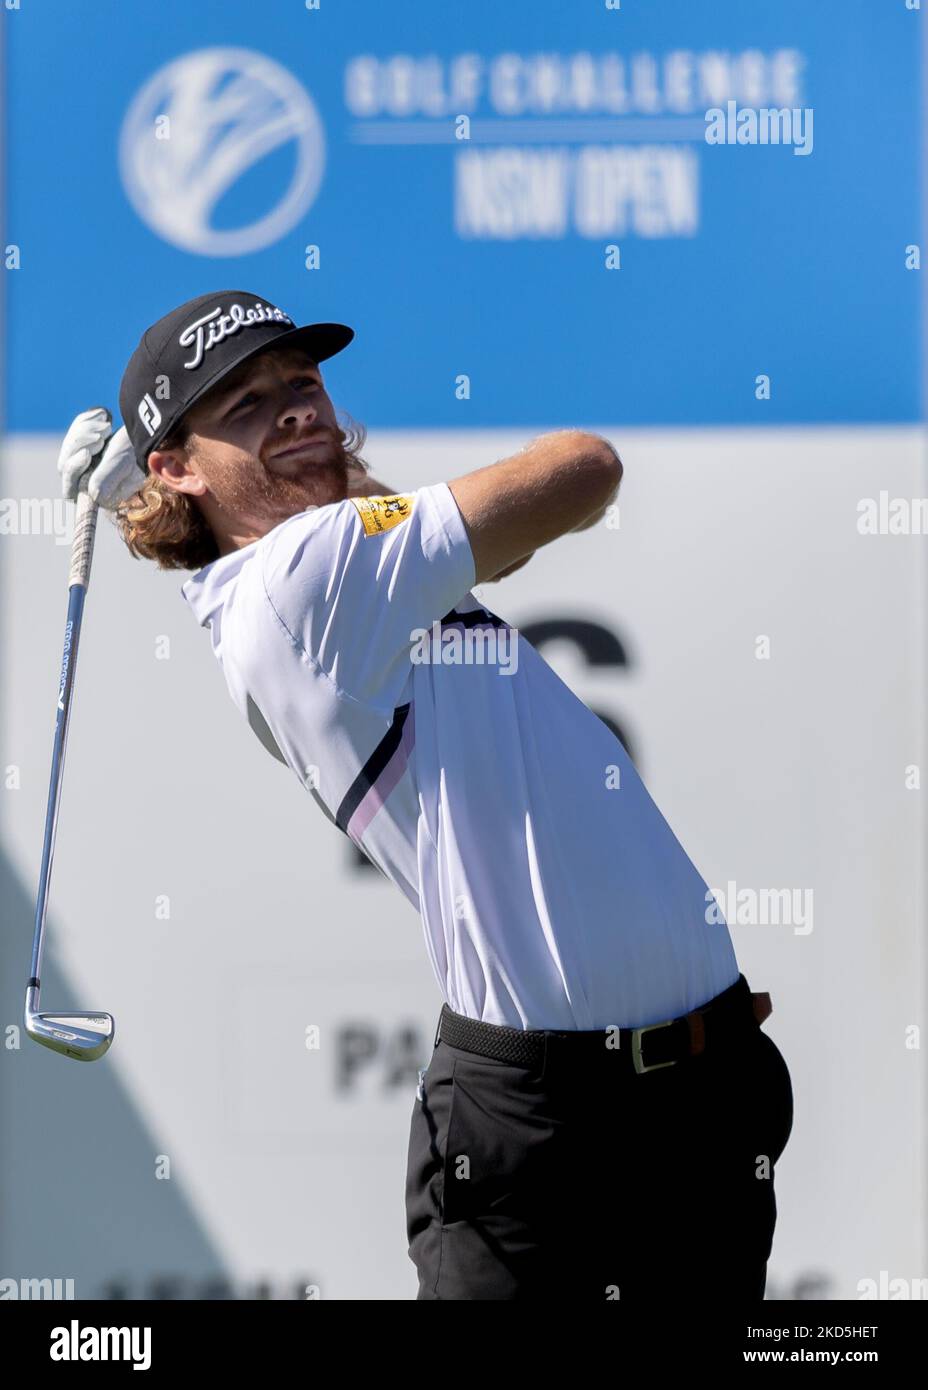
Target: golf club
{"type": "Point", "coordinates": [84, 1036]}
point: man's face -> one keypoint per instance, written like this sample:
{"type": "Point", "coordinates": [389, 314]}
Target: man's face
{"type": "Point", "coordinates": [274, 402]}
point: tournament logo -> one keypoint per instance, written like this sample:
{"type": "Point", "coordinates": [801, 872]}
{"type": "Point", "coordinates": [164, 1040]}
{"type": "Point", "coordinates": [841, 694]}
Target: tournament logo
{"type": "Point", "coordinates": [202, 124]}
{"type": "Point", "coordinates": [380, 513]}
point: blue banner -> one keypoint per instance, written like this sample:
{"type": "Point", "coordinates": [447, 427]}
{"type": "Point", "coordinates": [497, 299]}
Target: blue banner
{"type": "Point", "coordinates": [533, 214]}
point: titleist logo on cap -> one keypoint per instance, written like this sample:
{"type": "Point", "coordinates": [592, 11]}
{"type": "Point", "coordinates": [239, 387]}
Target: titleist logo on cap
{"type": "Point", "coordinates": [213, 328]}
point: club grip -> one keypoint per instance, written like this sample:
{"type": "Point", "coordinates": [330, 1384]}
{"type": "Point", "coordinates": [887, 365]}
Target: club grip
{"type": "Point", "coordinates": [85, 529]}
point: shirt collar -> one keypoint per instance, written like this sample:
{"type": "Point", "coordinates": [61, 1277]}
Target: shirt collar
{"type": "Point", "coordinates": [207, 590]}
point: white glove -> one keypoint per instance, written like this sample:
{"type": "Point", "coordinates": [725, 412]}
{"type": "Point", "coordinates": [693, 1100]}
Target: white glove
{"type": "Point", "coordinates": [115, 473]}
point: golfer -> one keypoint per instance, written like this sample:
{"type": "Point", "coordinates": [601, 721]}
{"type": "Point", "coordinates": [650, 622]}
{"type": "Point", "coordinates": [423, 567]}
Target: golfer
{"type": "Point", "coordinates": [602, 1113]}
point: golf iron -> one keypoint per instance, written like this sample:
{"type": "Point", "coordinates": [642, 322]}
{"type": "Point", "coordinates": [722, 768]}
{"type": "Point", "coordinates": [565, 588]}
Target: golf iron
{"type": "Point", "coordinates": [84, 1036]}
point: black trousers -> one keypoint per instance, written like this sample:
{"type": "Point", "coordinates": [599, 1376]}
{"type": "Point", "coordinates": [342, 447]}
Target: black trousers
{"type": "Point", "coordinates": [576, 1176]}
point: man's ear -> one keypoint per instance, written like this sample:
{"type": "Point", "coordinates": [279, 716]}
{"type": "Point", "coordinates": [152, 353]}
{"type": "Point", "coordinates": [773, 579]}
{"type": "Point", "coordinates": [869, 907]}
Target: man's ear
{"type": "Point", "coordinates": [172, 467]}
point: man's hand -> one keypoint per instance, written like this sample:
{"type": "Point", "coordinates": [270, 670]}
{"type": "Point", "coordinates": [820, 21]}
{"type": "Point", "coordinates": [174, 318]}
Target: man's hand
{"type": "Point", "coordinates": [114, 472]}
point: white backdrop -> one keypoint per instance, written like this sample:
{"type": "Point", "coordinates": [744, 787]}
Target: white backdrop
{"type": "Point", "coordinates": [200, 896]}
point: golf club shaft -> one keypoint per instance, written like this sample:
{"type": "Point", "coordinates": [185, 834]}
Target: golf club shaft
{"type": "Point", "coordinates": [85, 526]}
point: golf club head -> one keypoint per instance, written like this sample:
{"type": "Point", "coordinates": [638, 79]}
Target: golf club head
{"type": "Point", "coordinates": [85, 1037]}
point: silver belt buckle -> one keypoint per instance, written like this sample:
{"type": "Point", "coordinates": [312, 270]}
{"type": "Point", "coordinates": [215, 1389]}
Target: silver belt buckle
{"type": "Point", "coordinates": [637, 1034]}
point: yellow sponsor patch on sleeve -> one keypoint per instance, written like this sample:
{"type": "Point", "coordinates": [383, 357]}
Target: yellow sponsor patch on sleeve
{"type": "Point", "coordinates": [380, 513]}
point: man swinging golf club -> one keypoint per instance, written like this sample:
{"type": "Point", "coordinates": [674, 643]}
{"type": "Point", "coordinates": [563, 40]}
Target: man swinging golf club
{"type": "Point", "coordinates": [602, 1112]}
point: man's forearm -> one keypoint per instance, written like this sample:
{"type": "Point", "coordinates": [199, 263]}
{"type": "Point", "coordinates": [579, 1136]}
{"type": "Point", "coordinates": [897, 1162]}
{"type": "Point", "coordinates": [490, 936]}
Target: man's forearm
{"type": "Point", "coordinates": [598, 514]}
{"type": "Point", "coordinates": [590, 521]}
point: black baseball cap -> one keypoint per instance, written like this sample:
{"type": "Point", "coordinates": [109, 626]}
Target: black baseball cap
{"type": "Point", "coordinates": [193, 347]}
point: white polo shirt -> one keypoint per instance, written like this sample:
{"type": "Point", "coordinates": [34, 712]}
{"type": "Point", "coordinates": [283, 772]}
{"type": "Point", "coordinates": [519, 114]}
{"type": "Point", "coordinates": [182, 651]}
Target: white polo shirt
{"type": "Point", "coordinates": [552, 892]}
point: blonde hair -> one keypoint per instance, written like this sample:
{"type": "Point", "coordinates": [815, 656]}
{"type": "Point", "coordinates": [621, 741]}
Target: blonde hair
{"type": "Point", "coordinates": [157, 523]}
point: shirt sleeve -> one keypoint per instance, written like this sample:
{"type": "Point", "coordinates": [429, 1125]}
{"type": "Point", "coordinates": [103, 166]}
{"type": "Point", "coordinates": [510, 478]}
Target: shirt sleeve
{"type": "Point", "coordinates": [350, 581]}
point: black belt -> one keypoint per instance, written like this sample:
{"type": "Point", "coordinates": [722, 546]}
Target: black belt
{"type": "Point", "coordinates": [644, 1049]}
